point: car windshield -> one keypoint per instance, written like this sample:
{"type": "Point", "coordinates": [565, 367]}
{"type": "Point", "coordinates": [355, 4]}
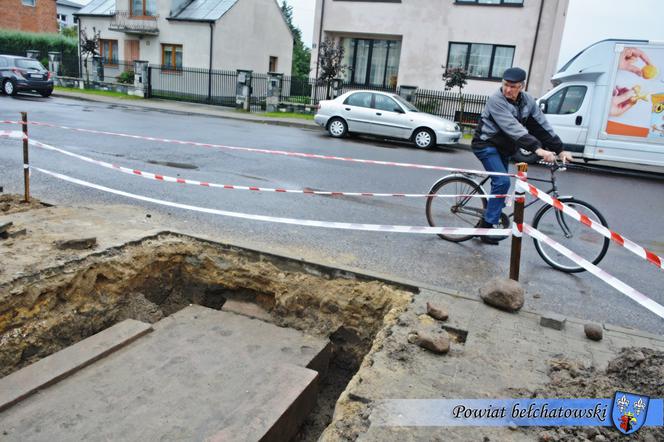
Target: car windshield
{"type": "Point", "coordinates": [407, 104]}
{"type": "Point", "coordinates": [29, 64]}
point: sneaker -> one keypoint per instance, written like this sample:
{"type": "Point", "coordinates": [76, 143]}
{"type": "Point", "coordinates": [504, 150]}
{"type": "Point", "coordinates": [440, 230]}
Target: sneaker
{"type": "Point", "coordinates": [492, 240]}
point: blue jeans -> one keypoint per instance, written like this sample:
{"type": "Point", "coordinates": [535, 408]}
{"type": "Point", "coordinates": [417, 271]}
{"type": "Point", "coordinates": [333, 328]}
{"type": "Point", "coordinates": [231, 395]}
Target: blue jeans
{"type": "Point", "coordinates": [493, 161]}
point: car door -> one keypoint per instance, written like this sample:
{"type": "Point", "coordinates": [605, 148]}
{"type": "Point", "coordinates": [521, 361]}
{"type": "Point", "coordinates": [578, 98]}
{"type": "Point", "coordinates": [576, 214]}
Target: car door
{"type": "Point", "coordinates": [389, 119]}
{"type": "Point", "coordinates": [567, 110]}
{"type": "Point", "coordinates": [357, 111]}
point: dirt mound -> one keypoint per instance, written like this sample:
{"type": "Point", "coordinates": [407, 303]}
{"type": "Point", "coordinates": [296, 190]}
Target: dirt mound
{"type": "Point", "coordinates": [11, 203]}
{"type": "Point", "coordinates": [639, 370]}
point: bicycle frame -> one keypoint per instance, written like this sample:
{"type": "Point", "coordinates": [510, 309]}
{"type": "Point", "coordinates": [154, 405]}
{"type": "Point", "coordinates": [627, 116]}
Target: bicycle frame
{"type": "Point", "coordinates": [552, 191]}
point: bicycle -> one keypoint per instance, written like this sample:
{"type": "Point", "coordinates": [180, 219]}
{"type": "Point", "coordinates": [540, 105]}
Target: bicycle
{"type": "Point", "coordinates": [467, 210]}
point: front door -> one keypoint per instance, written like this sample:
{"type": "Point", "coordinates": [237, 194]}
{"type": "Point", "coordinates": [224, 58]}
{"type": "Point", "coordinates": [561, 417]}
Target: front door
{"type": "Point", "coordinates": [390, 119]}
{"type": "Point", "coordinates": [567, 110]}
{"type": "Point", "coordinates": [132, 51]}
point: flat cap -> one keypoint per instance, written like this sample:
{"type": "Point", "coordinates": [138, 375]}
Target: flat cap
{"type": "Point", "coordinates": [514, 75]}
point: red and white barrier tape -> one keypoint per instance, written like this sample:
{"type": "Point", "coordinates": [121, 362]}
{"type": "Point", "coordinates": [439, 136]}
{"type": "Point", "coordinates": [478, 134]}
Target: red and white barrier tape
{"type": "Point", "coordinates": [165, 178]}
{"type": "Point", "coordinates": [615, 237]}
{"type": "Point", "coordinates": [614, 282]}
{"type": "Point", "coordinates": [12, 134]}
{"type": "Point", "coordinates": [292, 221]}
{"type": "Point", "coordinates": [268, 151]}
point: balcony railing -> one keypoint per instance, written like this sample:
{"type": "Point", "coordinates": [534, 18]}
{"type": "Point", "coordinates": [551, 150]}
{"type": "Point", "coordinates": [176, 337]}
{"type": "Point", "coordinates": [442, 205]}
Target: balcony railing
{"type": "Point", "coordinates": [123, 21]}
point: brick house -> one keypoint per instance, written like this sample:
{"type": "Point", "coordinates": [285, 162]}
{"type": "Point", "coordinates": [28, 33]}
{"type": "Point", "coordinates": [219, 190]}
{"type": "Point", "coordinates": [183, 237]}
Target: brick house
{"type": "Point", "coordinates": [29, 15]}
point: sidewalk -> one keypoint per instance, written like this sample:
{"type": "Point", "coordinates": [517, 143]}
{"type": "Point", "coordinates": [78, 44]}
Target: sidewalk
{"type": "Point", "coordinates": [202, 109]}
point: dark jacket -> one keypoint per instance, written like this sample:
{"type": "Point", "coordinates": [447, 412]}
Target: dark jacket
{"type": "Point", "coordinates": [508, 125]}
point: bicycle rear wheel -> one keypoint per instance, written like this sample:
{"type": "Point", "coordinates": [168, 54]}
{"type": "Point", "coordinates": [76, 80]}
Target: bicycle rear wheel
{"type": "Point", "coordinates": [458, 211]}
{"type": "Point", "coordinates": [569, 232]}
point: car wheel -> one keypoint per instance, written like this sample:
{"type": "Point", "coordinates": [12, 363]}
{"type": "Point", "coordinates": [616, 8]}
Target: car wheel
{"type": "Point", "coordinates": [424, 138]}
{"type": "Point", "coordinates": [46, 93]}
{"type": "Point", "coordinates": [8, 87]}
{"type": "Point", "coordinates": [337, 127]}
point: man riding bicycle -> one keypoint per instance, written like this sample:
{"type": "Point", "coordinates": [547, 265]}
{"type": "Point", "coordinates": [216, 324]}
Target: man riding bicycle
{"type": "Point", "coordinates": [511, 119]}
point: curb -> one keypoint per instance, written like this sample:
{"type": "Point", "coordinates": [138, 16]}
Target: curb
{"type": "Point", "coordinates": [153, 104]}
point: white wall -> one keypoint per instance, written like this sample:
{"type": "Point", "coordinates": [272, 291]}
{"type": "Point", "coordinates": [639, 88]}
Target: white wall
{"type": "Point", "coordinates": [427, 26]}
{"type": "Point", "coordinates": [244, 38]}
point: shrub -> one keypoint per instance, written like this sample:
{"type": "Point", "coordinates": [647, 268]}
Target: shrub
{"type": "Point", "coordinates": [17, 43]}
{"type": "Point", "coordinates": [126, 77]}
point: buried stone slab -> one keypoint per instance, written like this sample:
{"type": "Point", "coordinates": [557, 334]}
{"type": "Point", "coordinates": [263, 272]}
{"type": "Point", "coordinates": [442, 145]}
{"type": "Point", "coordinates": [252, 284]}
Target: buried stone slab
{"type": "Point", "coordinates": [504, 294]}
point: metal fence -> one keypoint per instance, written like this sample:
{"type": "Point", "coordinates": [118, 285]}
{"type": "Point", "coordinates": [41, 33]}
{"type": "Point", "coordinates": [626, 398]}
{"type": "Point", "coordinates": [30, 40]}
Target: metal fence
{"type": "Point", "coordinates": [219, 87]}
{"type": "Point", "coordinates": [449, 105]}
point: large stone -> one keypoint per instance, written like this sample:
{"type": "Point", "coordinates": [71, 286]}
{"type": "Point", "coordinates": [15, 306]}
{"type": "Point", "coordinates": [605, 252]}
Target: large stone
{"type": "Point", "coordinates": [438, 343]}
{"type": "Point", "coordinates": [593, 331]}
{"type": "Point", "coordinates": [436, 312]}
{"type": "Point", "coordinates": [505, 294]}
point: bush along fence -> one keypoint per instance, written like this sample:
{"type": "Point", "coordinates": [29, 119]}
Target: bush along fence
{"type": "Point", "coordinates": [220, 87]}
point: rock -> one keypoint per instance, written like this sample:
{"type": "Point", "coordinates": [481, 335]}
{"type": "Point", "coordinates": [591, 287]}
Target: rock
{"type": "Point", "coordinates": [77, 244]}
{"type": "Point", "coordinates": [437, 312]}
{"type": "Point", "coordinates": [600, 438]}
{"type": "Point", "coordinates": [439, 344]}
{"type": "Point", "coordinates": [552, 320]}
{"type": "Point", "coordinates": [505, 294]}
{"type": "Point", "coordinates": [593, 331]}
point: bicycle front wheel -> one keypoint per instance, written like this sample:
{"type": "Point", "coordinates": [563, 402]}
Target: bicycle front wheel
{"type": "Point", "coordinates": [457, 211]}
{"type": "Point", "coordinates": [570, 233]}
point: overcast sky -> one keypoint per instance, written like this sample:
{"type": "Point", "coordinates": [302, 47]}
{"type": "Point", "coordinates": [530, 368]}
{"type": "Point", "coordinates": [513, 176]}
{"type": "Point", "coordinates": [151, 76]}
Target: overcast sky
{"type": "Point", "coordinates": [587, 21]}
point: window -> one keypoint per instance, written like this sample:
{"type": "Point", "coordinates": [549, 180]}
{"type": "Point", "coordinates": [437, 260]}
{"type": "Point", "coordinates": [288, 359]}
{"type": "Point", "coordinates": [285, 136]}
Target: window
{"type": "Point", "coordinates": [381, 102]}
{"type": "Point", "coordinates": [109, 51]}
{"type": "Point", "coordinates": [29, 2]}
{"type": "Point", "coordinates": [171, 56]}
{"type": "Point", "coordinates": [360, 99]}
{"type": "Point", "coordinates": [491, 2]}
{"type": "Point", "coordinates": [273, 64]}
{"type": "Point", "coordinates": [143, 8]}
{"type": "Point", "coordinates": [566, 101]}
{"type": "Point", "coordinates": [372, 62]}
{"type": "Point", "coordinates": [482, 61]}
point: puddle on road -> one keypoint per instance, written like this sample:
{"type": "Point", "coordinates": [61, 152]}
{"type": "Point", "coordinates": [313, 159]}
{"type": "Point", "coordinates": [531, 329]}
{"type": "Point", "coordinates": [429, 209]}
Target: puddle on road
{"type": "Point", "coordinates": [174, 164]}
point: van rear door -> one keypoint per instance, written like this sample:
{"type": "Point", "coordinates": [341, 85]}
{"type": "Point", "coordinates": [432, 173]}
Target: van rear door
{"type": "Point", "coordinates": [567, 108]}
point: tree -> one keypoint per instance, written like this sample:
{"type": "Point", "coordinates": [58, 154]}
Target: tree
{"type": "Point", "coordinates": [89, 46]}
{"type": "Point", "coordinates": [69, 31]}
{"type": "Point", "coordinates": [456, 77]}
{"type": "Point", "coordinates": [301, 54]}
{"type": "Point", "coordinates": [330, 62]}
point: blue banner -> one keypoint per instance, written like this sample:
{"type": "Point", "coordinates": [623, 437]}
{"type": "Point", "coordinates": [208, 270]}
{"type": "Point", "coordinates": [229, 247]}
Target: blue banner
{"type": "Point", "coordinates": [504, 412]}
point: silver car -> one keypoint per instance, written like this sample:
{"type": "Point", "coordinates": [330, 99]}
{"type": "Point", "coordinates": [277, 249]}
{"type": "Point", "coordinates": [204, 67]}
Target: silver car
{"type": "Point", "coordinates": [384, 114]}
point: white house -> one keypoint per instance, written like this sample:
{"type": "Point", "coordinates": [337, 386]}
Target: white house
{"type": "Point", "coordinates": [65, 10]}
{"type": "Point", "coordinates": [405, 42]}
{"type": "Point", "coordinates": [217, 34]}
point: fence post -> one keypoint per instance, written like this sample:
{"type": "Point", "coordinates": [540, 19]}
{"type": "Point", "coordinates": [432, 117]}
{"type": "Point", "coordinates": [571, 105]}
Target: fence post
{"type": "Point", "coordinates": [26, 162]}
{"type": "Point", "coordinates": [519, 203]}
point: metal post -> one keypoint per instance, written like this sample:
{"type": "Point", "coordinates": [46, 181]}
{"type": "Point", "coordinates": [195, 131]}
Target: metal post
{"type": "Point", "coordinates": [26, 161]}
{"type": "Point", "coordinates": [519, 203]}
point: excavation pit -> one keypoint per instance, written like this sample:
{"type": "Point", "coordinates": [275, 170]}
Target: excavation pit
{"type": "Point", "coordinates": [156, 278]}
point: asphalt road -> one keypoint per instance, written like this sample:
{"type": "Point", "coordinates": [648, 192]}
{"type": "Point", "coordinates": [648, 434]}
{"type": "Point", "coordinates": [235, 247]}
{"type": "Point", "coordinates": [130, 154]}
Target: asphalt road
{"type": "Point", "coordinates": [633, 206]}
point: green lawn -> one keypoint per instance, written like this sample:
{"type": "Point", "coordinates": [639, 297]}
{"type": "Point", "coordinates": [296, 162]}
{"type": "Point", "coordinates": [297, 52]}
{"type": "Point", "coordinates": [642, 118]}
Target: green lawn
{"type": "Point", "coordinates": [289, 115]}
{"type": "Point", "coordinates": [98, 92]}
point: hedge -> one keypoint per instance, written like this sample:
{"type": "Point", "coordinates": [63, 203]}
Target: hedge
{"type": "Point", "coordinates": [17, 43]}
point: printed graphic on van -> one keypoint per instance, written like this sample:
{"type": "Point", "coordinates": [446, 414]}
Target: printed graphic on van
{"type": "Point", "coordinates": [637, 101]}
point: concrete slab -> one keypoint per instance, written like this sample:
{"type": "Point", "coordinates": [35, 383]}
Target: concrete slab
{"type": "Point", "coordinates": [19, 385]}
{"type": "Point", "coordinates": [195, 377]}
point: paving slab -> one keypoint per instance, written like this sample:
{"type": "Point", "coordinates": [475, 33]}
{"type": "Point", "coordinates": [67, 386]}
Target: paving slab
{"type": "Point", "coordinates": [195, 377]}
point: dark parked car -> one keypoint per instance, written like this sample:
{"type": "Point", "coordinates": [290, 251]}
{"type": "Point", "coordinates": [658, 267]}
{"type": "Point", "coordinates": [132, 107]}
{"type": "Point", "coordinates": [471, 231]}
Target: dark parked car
{"type": "Point", "coordinates": [24, 74]}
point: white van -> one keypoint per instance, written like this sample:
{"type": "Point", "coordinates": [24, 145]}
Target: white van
{"type": "Point", "coordinates": [608, 104]}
